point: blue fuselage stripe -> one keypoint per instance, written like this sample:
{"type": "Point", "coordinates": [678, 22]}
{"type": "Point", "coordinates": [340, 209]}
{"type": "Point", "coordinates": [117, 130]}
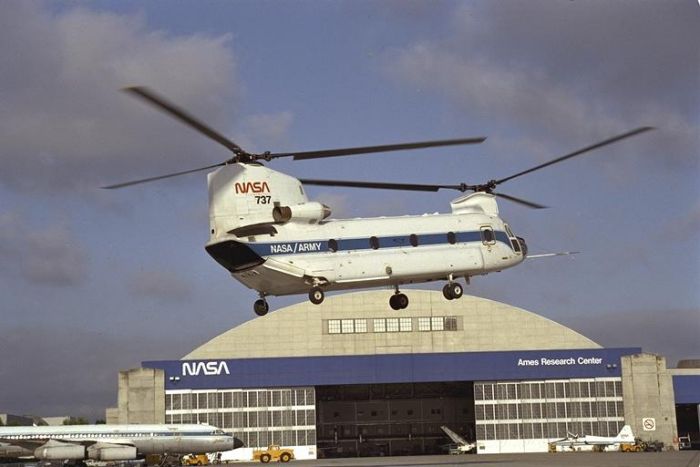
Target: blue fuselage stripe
{"type": "Point", "coordinates": [355, 244]}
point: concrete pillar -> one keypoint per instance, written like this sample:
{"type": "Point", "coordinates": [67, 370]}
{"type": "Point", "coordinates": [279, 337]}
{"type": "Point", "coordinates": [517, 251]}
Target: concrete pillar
{"type": "Point", "coordinates": [141, 396]}
{"type": "Point", "coordinates": [647, 389]}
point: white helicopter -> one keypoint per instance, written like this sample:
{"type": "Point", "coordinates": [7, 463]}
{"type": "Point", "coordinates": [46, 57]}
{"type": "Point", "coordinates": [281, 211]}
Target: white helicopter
{"type": "Point", "coordinates": [270, 237]}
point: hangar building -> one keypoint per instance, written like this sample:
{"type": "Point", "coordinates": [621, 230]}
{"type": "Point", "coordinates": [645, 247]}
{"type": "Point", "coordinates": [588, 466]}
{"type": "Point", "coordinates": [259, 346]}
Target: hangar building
{"type": "Point", "coordinates": [351, 378]}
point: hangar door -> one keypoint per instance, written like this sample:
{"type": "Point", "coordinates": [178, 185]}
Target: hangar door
{"type": "Point", "coordinates": [392, 419]}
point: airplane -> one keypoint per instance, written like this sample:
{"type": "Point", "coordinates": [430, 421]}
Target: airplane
{"type": "Point", "coordinates": [273, 239]}
{"type": "Point", "coordinates": [463, 446]}
{"type": "Point", "coordinates": [78, 443]}
{"type": "Point", "coordinates": [572, 441]}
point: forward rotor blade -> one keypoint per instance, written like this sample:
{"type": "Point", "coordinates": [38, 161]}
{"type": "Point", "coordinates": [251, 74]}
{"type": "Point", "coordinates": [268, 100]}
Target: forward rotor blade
{"type": "Point", "coordinates": [612, 140]}
{"type": "Point", "coordinates": [180, 114]}
{"type": "Point", "coordinates": [524, 202]}
{"type": "Point", "coordinates": [372, 149]}
{"type": "Point", "coordinates": [160, 177]}
{"type": "Point", "coordinates": [379, 185]}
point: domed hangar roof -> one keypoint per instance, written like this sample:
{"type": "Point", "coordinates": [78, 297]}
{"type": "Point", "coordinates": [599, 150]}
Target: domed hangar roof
{"type": "Point", "coordinates": [362, 323]}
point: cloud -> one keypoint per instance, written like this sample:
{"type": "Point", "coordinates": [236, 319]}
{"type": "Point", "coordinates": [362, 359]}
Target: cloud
{"type": "Point", "coordinates": [65, 125]}
{"type": "Point", "coordinates": [48, 255]}
{"type": "Point", "coordinates": [566, 72]}
{"type": "Point", "coordinates": [161, 285]}
{"type": "Point", "coordinates": [68, 371]}
{"type": "Point", "coordinates": [268, 129]}
{"type": "Point", "coordinates": [671, 333]}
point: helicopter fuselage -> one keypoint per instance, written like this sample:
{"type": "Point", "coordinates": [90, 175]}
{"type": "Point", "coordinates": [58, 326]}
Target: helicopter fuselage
{"type": "Point", "coordinates": [280, 255]}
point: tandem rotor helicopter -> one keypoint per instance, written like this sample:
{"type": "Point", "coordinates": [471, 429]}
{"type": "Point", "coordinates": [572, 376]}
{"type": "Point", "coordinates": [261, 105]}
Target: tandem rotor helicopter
{"type": "Point", "coordinates": [273, 239]}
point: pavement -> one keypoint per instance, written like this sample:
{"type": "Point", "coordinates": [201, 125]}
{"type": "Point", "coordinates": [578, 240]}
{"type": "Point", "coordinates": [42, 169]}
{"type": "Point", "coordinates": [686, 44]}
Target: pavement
{"type": "Point", "coordinates": [573, 459]}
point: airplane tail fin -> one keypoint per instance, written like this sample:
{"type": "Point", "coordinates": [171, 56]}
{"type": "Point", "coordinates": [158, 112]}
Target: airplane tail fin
{"type": "Point", "coordinates": [626, 434]}
{"type": "Point", "coordinates": [454, 436]}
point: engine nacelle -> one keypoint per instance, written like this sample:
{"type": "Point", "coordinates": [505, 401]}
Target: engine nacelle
{"type": "Point", "coordinates": [311, 213]}
{"type": "Point", "coordinates": [111, 452]}
{"type": "Point", "coordinates": [60, 452]}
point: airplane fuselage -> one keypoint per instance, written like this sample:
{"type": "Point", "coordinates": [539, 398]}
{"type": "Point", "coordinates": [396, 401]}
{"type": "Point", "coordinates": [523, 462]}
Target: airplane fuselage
{"type": "Point", "coordinates": [111, 442]}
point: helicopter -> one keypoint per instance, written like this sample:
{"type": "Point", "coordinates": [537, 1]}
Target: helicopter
{"type": "Point", "coordinates": [270, 237]}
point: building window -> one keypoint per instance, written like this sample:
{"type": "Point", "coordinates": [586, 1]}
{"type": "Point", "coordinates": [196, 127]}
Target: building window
{"type": "Point", "coordinates": [347, 326]}
{"type": "Point", "coordinates": [392, 325]}
{"type": "Point", "coordinates": [333, 326]}
{"type": "Point", "coordinates": [405, 325]}
{"type": "Point", "coordinates": [360, 325]}
{"type": "Point", "coordinates": [424, 324]}
{"type": "Point", "coordinates": [437, 323]}
{"type": "Point", "coordinates": [380, 325]}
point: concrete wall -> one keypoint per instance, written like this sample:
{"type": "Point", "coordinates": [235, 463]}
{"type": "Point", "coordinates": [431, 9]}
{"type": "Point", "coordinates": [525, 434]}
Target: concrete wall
{"type": "Point", "coordinates": [141, 397]}
{"type": "Point", "coordinates": [647, 389]}
{"type": "Point", "coordinates": [301, 330]}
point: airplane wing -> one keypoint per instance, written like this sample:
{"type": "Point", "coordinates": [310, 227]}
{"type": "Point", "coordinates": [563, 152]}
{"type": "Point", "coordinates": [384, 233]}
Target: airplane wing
{"type": "Point", "coordinates": [32, 444]}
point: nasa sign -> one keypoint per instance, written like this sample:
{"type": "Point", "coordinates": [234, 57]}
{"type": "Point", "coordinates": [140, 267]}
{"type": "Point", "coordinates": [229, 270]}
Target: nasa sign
{"type": "Point", "coordinates": [212, 368]}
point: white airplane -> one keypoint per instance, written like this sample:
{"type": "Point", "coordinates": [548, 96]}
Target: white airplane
{"type": "Point", "coordinates": [77, 443]}
{"type": "Point", "coordinates": [270, 237]}
{"type": "Point", "coordinates": [463, 446]}
{"type": "Point", "coordinates": [571, 441]}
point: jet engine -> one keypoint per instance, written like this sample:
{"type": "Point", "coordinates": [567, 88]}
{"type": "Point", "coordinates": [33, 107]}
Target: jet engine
{"type": "Point", "coordinates": [60, 451]}
{"type": "Point", "coordinates": [311, 213]}
{"type": "Point", "coordinates": [111, 452]}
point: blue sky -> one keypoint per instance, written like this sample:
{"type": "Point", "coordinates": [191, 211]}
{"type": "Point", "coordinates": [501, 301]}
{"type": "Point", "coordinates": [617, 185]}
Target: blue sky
{"type": "Point", "coordinates": [95, 281]}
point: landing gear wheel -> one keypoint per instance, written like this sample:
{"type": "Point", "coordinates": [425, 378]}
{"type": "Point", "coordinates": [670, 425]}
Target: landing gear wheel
{"type": "Point", "coordinates": [260, 307]}
{"type": "Point", "coordinates": [452, 290]}
{"type": "Point", "coordinates": [456, 290]}
{"type": "Point", "coordinates": [316, 295]}
{"type": "Point", "coordinates": [446, 292]}
{"type": "Point", "coordinates": [398, 301]}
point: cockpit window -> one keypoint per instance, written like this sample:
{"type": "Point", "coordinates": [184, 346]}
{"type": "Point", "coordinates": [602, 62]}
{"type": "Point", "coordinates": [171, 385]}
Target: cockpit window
{"type": "Point", "coordinates": [508, 231]}
{"type": "Point", "coordinates": [487, 236]}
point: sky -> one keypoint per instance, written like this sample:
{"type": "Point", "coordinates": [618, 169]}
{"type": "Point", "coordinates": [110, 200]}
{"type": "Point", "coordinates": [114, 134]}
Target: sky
{"type": "Point", "coordinates": [94, 281]}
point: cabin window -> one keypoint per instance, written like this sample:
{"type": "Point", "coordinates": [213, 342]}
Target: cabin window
{"type": "Point", "coordinates": [516, 245]}
{"type": "Point", "coordinates": [413, 239]}
{"type": "Point", "coordinates": [374, 242]}
{"type": "Point", "coordinates": [451, 238]}
{"type": "Point", "coordinates": [487, 236]}
{"type": "Point", "coordinates": [333, 245]}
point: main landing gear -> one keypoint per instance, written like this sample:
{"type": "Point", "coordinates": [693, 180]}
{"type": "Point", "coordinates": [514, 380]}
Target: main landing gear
{"type": "Point", "coordinates": [261, 307]}
{"type": "Point", "coordinates": [452, 290]}
{"type": "Point", "coordinates": [316, 295]}
{"type": "Point", "coordinates": [398, 301]}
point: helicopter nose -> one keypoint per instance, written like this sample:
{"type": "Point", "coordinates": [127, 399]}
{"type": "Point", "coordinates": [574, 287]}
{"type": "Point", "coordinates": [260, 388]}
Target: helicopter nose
{"type": "Point", "coordinates": [523, 245]}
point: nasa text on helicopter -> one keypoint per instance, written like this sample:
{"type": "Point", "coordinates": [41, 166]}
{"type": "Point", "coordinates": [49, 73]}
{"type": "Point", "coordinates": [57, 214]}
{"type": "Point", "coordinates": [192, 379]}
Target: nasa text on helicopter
{"type": "Point", "coordinates": [270, 237]}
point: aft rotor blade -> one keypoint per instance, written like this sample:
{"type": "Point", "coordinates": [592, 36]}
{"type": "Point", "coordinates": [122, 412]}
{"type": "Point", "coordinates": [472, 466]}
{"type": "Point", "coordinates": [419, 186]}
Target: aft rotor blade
{"type": "Point", "coordinates": [524, 202]}
{"type": "Point", "coordinates": [180, 114]}
{"type": "Point", "coordinates": [373, 149]}
{"type": "Point", "coordinates": [160, 177]}
{"type": "Point", "coordinates": [379, 185]}
{"type": "Point", "coordinates": [612, 140]}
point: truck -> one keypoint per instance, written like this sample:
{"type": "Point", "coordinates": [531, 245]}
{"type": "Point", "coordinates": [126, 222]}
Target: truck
{"type": "Point", "coordinates": [195, 459]}
{"type": "Point", "coordinates": [273, 453]}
